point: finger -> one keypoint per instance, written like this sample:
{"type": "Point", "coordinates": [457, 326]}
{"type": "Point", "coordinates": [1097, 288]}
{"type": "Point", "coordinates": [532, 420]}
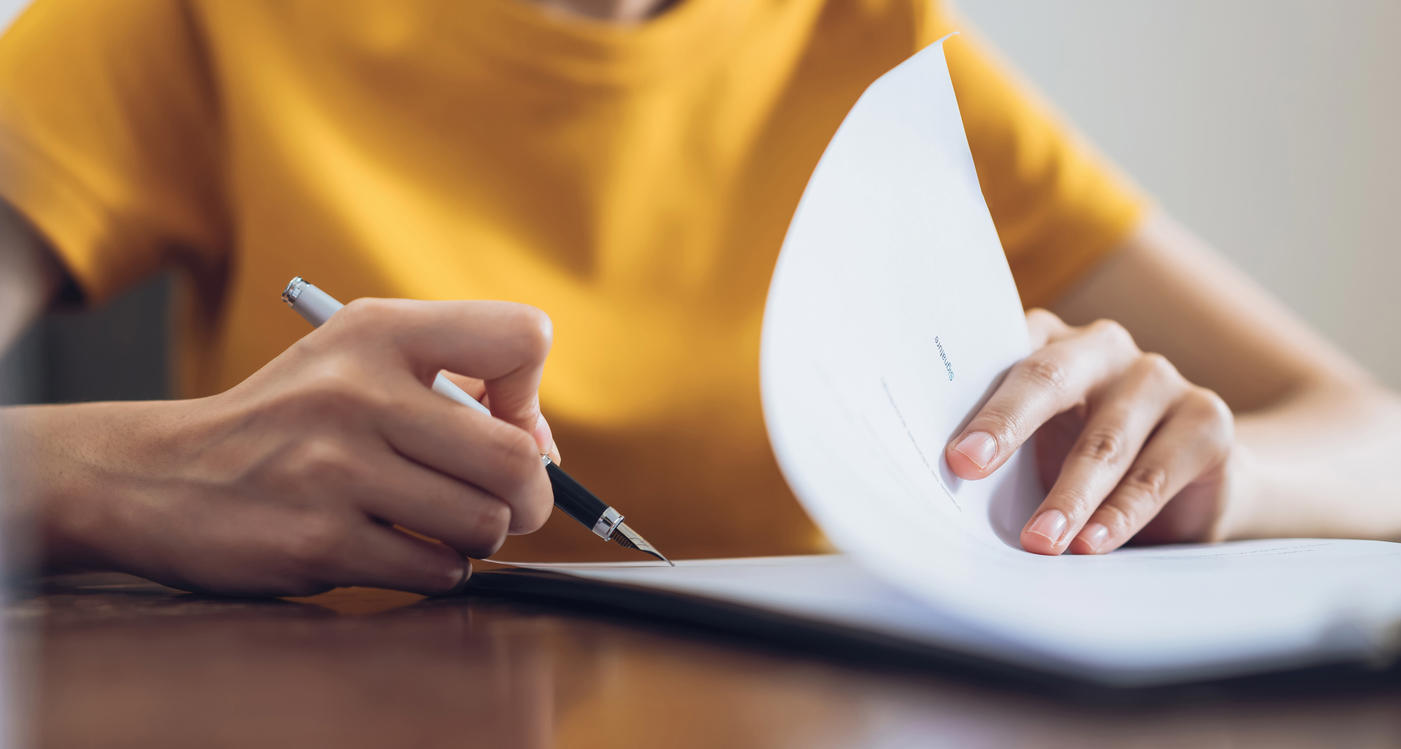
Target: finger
{"type": "Point", "coordinates": [460, 515]}
{"type": "Point", "coordinates": [1051, 380]}
{"type": "Point", "coordinates": [385, 558]}
{"type": "Point", "coordinates": [1043, 327]}
{"type": "Point", "coordinates": [1053, 443]}
{"type": "Point", "coordinates": [1121, 419]}
{"type": "Point", "coordinates": [471, 447]}
{"type": "Point", "coordinates": [544, 436]}
{"type": "Point", "coordinates": [500, 343]}
{"type": "Point", "coordinates": [1195, 438]}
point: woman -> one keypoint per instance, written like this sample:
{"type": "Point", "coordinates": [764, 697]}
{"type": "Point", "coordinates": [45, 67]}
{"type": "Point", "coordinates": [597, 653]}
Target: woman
{"type": "Point", "coordinates": [628, 168]}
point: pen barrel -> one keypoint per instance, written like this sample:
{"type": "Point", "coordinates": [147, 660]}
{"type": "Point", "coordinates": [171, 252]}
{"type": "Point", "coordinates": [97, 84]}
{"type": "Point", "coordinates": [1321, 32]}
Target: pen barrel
{"type": "Point", "coordinates": [580, 503]}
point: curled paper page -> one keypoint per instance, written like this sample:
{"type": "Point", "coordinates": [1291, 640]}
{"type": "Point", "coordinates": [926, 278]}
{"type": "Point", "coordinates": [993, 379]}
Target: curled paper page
{"type": "Point", "coordinates": [890, 317]}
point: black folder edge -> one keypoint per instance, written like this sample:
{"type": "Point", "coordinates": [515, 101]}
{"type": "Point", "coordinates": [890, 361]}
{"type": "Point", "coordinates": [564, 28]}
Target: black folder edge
{"type": "Point", "coordinates": [640, 605]}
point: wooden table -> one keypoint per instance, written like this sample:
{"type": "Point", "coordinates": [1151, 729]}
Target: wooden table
{"type": "Point", "coordinates": [109, 660]}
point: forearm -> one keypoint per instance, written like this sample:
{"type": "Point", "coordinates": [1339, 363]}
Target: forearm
{"type": "Point", "coordinates": [1321, 463]}
{"type": "Point", "coordinates": [29, 278]}
{"type": "Point", "coordinates": [1316, 439]}
{"type": "Point", "coordinates": [60, 487]}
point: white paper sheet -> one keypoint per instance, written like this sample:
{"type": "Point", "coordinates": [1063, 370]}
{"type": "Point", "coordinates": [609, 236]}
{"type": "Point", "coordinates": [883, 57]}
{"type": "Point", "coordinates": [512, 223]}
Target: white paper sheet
{"type": "Point", "coordinates": [1207, 636]}
{"type": "Point", "coordinates": [891, 315]}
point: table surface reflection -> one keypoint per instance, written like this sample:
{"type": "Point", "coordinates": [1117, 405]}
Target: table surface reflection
{"type": "Point", "coordinates": [109, 660]}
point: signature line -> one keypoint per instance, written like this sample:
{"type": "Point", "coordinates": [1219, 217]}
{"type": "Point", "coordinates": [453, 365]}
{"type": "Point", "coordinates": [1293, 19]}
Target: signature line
{"type": "Point", "coordinates": [886, 387]}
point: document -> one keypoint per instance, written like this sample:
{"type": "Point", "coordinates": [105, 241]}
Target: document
{"type": "Point", "coordinates": [891, 315]}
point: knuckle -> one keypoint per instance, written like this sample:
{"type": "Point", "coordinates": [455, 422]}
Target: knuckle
{"type": "Point", "coordinates": [1101, 445]}
{"type": "Point", "coordinates": [363, 313]}
{"type": "Point", "coordinates": [1002, 423]}
{"type": "Point", "coordinates": [1044, 372]}
{"type": "Point", "coordinates": [1039, 318]}
{"type": "Point", "coordinates": [533, 331]}
{"type": "Point", "coordinates": [1075, 502]}
{"type": "Point", "coordinates": [316, 543]}
{"type": "Point", "coordinates": [542, 329]}
{"type": "Point", "coordinates": [1157, 367]}
{"type": "Point", "coordinates": [1146, 481]}
{"type": "Point", "coordinates": [335, 390]}
{"type": "Point", "coordinates": [1113, 332]}
{"type": "Point", "coordinates": [328, 396]}
{"type": "Point", "coordinates": [1119, 519]}
{"type": "Point", "coordinates": [324, 462]}
{"type": "Point", "coordinates": [1209, 404]}
{"type": "Point", "coordinates": [1218, 423]}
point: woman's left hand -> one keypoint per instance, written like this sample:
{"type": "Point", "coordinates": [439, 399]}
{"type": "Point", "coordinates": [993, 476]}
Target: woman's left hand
{"type": "Point", "coordinates": [1126, 444]}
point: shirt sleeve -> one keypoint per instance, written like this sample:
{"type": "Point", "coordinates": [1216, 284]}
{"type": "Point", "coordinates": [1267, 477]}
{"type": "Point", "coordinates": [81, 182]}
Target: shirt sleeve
{"type": "Point", "coordinates": [108, 137]}
{"type": "Point", "coordinates": [1059, 207]}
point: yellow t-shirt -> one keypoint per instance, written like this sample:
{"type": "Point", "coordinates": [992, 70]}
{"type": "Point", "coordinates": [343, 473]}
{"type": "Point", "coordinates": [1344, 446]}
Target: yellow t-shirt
{"type": "Point", "coordinates": [634, 182]}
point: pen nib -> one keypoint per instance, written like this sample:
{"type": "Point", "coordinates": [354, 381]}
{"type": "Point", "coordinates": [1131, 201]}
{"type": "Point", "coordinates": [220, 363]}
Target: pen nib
{"type": "Point", "coordinates": [630, 539]}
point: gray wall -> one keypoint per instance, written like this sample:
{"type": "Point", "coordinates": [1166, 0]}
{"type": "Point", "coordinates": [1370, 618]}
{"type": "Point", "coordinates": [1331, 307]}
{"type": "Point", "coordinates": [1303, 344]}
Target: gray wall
{"type": "Point", "coordinates": [115, 352]}
{"type": "Point", "coordinates": [1268, 126]}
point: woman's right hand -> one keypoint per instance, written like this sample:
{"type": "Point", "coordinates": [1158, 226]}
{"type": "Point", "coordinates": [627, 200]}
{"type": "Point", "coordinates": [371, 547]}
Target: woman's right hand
{"type": "Point", "coordinates": [290, 482]}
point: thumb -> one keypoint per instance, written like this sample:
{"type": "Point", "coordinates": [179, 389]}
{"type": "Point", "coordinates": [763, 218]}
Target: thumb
{"type": "Point", "coordinates": [501, 343]}
{"type": "Point", "coordinates": [544, 436]}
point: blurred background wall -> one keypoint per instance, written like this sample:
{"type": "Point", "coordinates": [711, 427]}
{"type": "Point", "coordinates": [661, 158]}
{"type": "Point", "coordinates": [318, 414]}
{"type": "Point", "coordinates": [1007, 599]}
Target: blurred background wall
{"type": "Point", "coordinates": [1268, 126]}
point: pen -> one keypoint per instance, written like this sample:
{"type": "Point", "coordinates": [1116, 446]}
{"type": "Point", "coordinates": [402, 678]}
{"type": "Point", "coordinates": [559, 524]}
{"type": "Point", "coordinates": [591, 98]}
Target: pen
{"type": "Point", "coordinates": [316, 306]}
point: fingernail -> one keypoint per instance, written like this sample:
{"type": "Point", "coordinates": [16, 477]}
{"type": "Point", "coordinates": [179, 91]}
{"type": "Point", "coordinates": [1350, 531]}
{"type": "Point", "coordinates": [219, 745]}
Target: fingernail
{"type": "Point", "coordinates": [1049, 525]}
{"type": "Point", "coordinates": [978, 447]}
{"type": "Point", "coordinates": [545, 438]}
{"type": "Point", "coordinates": [1094, 536]}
